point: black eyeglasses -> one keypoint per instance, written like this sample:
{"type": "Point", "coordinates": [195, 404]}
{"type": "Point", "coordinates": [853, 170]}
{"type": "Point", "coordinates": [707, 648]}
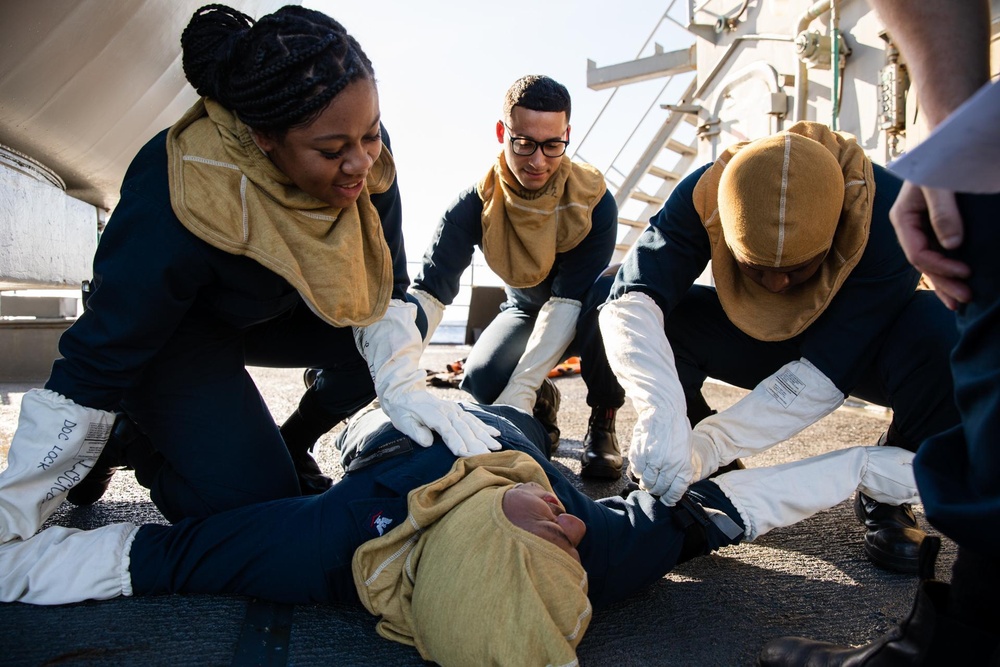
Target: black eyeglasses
{"type": "Point", "coordinates": [524, 147]}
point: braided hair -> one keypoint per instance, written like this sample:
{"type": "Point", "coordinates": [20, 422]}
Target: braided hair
{"type": "Point", "coordinates": [276, 73]}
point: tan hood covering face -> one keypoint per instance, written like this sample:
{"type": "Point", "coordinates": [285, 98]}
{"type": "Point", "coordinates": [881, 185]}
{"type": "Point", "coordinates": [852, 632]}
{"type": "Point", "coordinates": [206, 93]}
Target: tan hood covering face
{"type": "Point", "coordinates": [464, 585]}
{"type": "Point", "coordinates": [523, 230]}
{"type": "Point", "coordinates": [227, 192]}
{"type": "Point", "coordinates": [778, 202]}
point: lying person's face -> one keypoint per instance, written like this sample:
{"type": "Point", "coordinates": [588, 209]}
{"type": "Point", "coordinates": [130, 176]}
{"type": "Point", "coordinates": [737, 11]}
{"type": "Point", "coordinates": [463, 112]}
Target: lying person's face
{"type": "Point", "coordinates": [533, 508]}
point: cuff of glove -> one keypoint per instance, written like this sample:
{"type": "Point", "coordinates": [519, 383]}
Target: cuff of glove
{"type": "Point", "coordinates": [517, 395]}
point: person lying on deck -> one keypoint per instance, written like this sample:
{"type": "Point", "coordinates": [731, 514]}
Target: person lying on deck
{"type": "Point", "coordinates": [426, 540]}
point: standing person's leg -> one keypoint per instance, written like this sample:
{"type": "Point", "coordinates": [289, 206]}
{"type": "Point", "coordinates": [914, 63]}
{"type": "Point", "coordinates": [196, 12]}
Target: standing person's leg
{"type": "Point", "coordinates": [910, 374]}
{"type": "Point", "coordinates": [958, 472]}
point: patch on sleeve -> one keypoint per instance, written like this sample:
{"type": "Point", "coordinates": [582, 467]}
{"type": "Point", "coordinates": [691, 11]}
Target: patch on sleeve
{"type": "Point", "coordinates": [785, 387]}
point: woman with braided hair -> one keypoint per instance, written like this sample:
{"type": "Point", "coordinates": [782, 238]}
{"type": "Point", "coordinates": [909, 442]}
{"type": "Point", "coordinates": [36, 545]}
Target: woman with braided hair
{"type": "Point", "coordinates": [262, 228]}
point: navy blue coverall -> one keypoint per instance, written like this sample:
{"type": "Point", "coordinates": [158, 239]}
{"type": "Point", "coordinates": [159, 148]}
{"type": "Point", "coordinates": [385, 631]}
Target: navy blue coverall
{"type": "Point", "coordinates": [299, 550]}
{"type": "Point", "coordinates": [958, 472]}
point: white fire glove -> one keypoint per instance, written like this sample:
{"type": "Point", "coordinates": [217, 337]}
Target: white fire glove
{"type": "Point", "coordinates": [433, 311]}
{"type": "Point", "coordinates": [660, 455]}
{"type": "Point", "coordinates": [780, 406]}
{"type": "Point", "coordinates": [554, 330]}
{"type": "Point", "coordinates": [56, 444]}
{"type": "Point", "coordinates": [392, 349]}
{"type": "Point", "coordinates": [782, 495]}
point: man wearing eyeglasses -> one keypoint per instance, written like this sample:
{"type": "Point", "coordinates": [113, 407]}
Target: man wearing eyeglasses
{"type": "Point", "coordinates": [547, 227]}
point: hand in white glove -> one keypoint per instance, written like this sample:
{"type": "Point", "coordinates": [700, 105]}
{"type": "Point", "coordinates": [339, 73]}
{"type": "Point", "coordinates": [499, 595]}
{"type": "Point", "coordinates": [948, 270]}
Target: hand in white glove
{"type": "Point", "coordinates": [660, 455]}
{"type": "Point", "coordinates": [56, 444]}
{"type": "Point", "coordinates": [417, 413]}
{"type": "Point", "coordinates": [392, 347]}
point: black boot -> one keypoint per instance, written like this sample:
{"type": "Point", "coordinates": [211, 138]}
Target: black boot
{"type": "Point", "coordinates": [930, 635]}
{"type": "Point", "coordinates": [893, 538]}
{"type": "Point", "coordinates": [546, 411]}
{"type": "Point", "coordinates": [91, 488]}
{"type": "Point", "coordinates": [601, 459]}
{"type": "Point", "coordinates": [300, 435]}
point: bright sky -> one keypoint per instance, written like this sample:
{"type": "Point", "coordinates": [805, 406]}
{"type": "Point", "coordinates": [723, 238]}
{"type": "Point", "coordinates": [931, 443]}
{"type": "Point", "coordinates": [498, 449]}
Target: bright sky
{"type": "Point", "coordinates": [443, 67]}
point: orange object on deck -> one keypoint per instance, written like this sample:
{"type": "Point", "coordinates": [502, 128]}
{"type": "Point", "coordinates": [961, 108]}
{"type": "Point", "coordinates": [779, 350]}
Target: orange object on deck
{"type": "Point", "coordinates": [570, 366]}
